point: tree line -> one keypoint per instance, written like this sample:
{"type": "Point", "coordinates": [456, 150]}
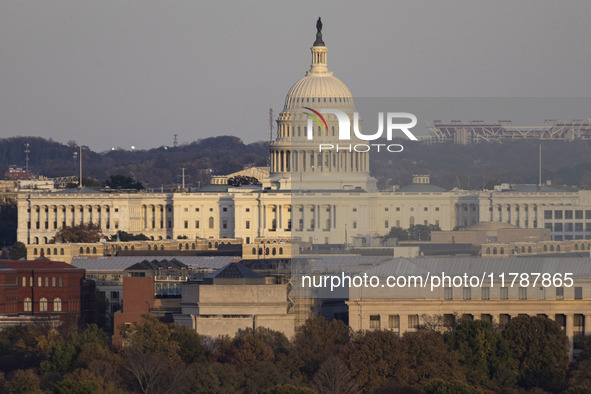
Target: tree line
{"type": "Point", "coordinates": [529, 354]}
{"type": "Point", "coordinates": [467, 166]}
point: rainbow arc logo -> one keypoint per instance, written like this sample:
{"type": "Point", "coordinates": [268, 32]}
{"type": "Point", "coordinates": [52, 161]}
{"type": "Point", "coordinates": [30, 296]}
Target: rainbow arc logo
{"type": "Point", "coordinates": [315, 117]}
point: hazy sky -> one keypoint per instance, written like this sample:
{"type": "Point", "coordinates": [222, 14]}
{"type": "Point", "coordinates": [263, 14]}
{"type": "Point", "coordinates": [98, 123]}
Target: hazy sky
{"type": "Point", "coordinates": [121, 73]}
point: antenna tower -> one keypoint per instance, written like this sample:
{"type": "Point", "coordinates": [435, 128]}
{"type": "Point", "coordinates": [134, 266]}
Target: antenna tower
{"type": "Point", "coordinates": [176, 142]}
{"type": "Point", "coordinates": [27, 151]}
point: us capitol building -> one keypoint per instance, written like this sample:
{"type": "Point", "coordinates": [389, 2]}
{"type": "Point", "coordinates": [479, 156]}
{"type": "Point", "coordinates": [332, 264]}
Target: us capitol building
{"type": "Point", "coordinates": [309, 196]}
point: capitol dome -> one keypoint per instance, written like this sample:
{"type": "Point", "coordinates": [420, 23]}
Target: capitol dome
{"type": "Point", "coordinates": [319, 88]}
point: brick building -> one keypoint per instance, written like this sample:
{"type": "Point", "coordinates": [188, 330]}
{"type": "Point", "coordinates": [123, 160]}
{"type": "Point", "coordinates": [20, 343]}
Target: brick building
{"type": "Point", "coordinates": [46, 288]}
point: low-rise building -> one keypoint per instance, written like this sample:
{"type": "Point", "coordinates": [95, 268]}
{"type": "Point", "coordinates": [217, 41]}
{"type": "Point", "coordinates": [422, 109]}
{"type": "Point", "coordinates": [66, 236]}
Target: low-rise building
{"type": "Point", "coordinates": [233, 298]}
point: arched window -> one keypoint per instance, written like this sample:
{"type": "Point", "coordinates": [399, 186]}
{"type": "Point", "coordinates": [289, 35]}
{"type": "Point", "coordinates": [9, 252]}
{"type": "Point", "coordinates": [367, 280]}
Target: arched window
{"type": "Point", "coordinates": [24, 281]}
{"type": "Point", "coordinates": [193, 246]}
{"type": "Point", "coordinates": [61, 251]}
{"type": "Point", "coordinates": [39, 281]}
{"type": "Point", "coordinates": [180, 246]}
{"type": "Point", "coordinates": [260, 251]}
{"type": "Point", "coordinates": [494, 250]}
{"type": "Point", "coordinates": [149, 247]}
{"type": "Point", "coordinates": [28, 305]}
{"type": "Point", "coordinates": [53, 281]}
{"type": "Point", "coordinates": [132, 247]}
{"type": "Point", "coordinates": [35, 251]}
{"type": "Point", "coordinates": [216, 244]}
{"type": "Point", "coordinates": [94, 249]}
{"type": "Point", "coordinates": [254, 250]}
{"type": "Point", "coordinates": [545, 248]}
{"type": "Point", "coordinates": [529, 249]}
{"type": "Point", "coordinates": [49, 251]}
{"type": "Point", "coordinates": [551, 248]}
{"type": "Point", "coordinates": [576, 246]}
{"type": "Point", "coordinates": [487, 250]}
{"type": "Point", "coordinates": [502, 251]}
{"type": "Point", "coordinates": [126, 247]}
{"type": "Point", "coordinates": [558, 248]}
{"type": "Point", "coordinates": [523, 249]}
{"type": "Point", "coordinates": [57, 305]}
{"type": "Point", "coordinates": [43, 305]}
{"type": "Point", "coordinates": [280, 250]}
{"type": "Point", "coordinates": [211, 222]}
{"type": "Point", "coordinates": [55, 251]}
{"type": "Point", "coordinates": [274, 251]}
{"type": "Point", "coordinates": [187, 246]}
{"type": "Point", "coordinates": [88, 249]}
{"type": "Point", "coordinates": [161, 247]}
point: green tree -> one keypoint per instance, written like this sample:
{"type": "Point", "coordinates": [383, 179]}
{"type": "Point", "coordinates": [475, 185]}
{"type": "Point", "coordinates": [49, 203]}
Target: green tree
{"type": "Point", "coordinates": [315, 341]}
{"type": "Point", "coordinates": [81, 233]}
{"type": "Point", "coordinates": [25, 382]}
{"type": "Point", "coordinates": [190, 344]}
{"type": "Point", "coordinates": [426, 357]}
{"type": "Point", "coordinates": [374, 357]}
{"type": "Point", "coordinates": [123, 182]}
{"type": "Point", "coordinates": [18, 251]}
{"type": "Point", "coordinates": [421, 232]}
{"type": "Point", "coordinates": [240, 180]}
{"type": "Point", "coordinates": [398, 233]}
{"type": "Point", "coordinates": [484, 352]}
{"type": "Point", "coordinates": [443, 387]}
{"type": "Point", "coordinates": [126, 237]}
{"type": "Point", "coordinates": [540, 348]}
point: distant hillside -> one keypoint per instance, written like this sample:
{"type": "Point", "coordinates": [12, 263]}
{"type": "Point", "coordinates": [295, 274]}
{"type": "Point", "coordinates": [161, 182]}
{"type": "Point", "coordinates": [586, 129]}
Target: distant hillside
{"type": "Point", "coordinates": [154, 167]}
{"type": "Point", "coordinates": [471, 166]}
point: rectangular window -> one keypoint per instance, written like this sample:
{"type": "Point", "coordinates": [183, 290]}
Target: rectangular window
{"type": "Point", "coordinates": [386, 224]}
{"type": "Point", "coordinates": [523, 293]}
{"type": "Point", "coordinates": [448, 293]}
{"type": "Point", "coordinates": [485, 293]}
{"type": "Point", "coordinates": [578, 293]}
{"type": "Point", "coordinates": [557, 227]}
{"type": "Point", "coordinates": [46, 281]}
{"type": "Point", "coordinates": [568, 227]}
{"type": "Point", "coordinates": [196, 223]}
{"type": "Point", "coordinates": [578, 227]}
{"type": "Point", "coordinates": [114, 295]}
{"type": "Point", "coordinates": [588, 214]}
{"type": "Point", "coordinates": [53, 282]}
{"type": "Point", "coordinates": [425, 209]}
{"type": "Point", "coordinates": [394, 323]}
{"type": "Point", "coordinates": [560, 293]}
{"type": "Point", "coordinates": [186, 224]}
{"type": "Point", "coordinates": [224, 224]}
{"type": "Point", "coordinates": [225, 209]}
{"type": "Point", "coordinates": [247, 224]}
{"type": "Point", "coordinates": [354, 224]}
{"type": "Point", "coordinates": [196, 209]}
{"type": "Point", "coordinates": [467, 293]}
{"type": "Point", "coordinates": [557, 214]}
{"type": "Point", "coordinates": [504, 293]}
{"type": "Point", "coordinates": [374, 322]}
{"type": "Point", "coordinates": [541, 293]}
{"type": "Point", "coordinates": [578, 214]}
{"type": "Point", "coordinates": [568, 214]}
{"type": "Point", "coordinates": [413, 322]}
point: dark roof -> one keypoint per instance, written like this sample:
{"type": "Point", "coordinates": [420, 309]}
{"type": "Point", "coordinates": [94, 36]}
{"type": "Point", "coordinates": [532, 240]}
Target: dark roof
{"type": "Point", "coordinates": [234, 271]}
{"type": "Point", "coordinates": [421, 188]}
{"type": "Point", "coordinates": [157, 264]}
{"type": "Point", "coordinates": [84, 190]}
{"type": "Point", "coordinates": [36, 264]}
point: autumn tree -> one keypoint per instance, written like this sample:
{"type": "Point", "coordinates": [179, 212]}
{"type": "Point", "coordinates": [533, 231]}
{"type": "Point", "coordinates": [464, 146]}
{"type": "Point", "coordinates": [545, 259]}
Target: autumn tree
{"type": "Point", "coordinates": [373, 358]}
{"type": "Point", "coordinates": [315, 341]}
{"type": "Point", "coordinates": [334, 377]}
{"type": "Point", "coordinates": [426, 357]}
{"type": "Point", "coordinates": [81, 233]}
